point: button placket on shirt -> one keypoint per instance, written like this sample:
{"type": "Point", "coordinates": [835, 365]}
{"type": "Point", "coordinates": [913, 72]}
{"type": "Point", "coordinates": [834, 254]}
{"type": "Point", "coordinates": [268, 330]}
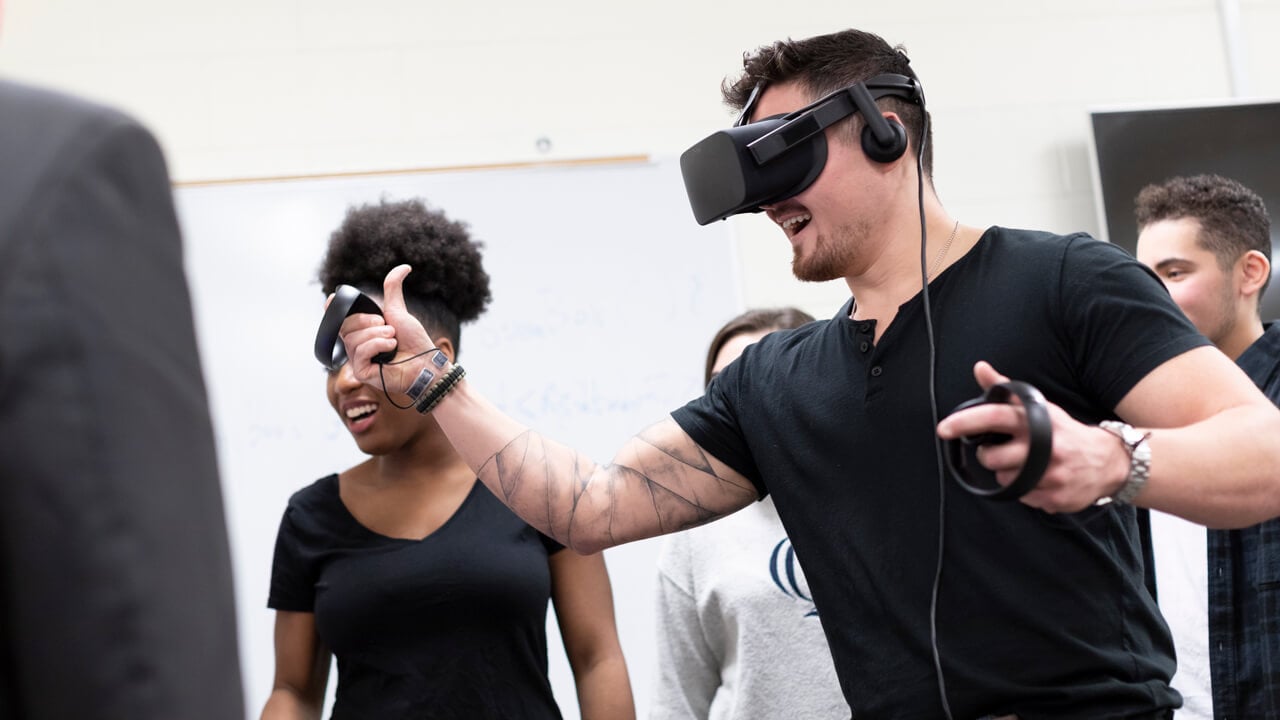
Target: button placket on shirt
{"type": "Point", "coordinates": [866, 345]}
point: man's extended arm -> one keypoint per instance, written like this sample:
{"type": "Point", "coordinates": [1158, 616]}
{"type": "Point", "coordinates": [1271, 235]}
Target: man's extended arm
{"type": "Point", "coordinates": [1214, 438]}
{"type": "Point", "coordinates": [660, 481]}
{"type": "Point", "coordinates": [1215, 441]}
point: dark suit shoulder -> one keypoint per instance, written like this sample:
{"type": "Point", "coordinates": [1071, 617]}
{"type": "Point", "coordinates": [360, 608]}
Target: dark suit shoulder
{"type": "Point", "coordinates": [48, 136]}
{"type": "Point", "coordinates": [60, 152]}
{"type": "Point", "coordinates": [32, 111]}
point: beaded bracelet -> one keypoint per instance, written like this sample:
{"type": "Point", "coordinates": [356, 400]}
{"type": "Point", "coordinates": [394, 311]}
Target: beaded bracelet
{"type": "Point", "coordinates": [437, 392]}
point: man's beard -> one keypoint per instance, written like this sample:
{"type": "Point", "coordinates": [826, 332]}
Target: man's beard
{"type": "Point", "coordinates": [829, 258]}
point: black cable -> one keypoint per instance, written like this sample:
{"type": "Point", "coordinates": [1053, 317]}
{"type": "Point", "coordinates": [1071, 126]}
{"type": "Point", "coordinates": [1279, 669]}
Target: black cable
{"type": "Point", "coordinates": [384, 379]}
{"type": "Point", "coordinates": [933, 406]}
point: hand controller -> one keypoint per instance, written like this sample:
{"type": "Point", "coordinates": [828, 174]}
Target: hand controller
{"type": "Point", "coordinates": [330, 350]}
{"type": "Point", "coordinates": [1040, 431]}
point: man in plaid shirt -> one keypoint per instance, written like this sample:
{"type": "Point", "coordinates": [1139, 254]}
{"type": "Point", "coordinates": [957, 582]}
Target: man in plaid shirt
{"type": "Point", "coordinates": [1208, 238]}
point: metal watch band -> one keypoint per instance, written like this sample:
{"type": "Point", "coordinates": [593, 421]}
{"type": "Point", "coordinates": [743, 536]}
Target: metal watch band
{"type": "Point", "coordinates": [1135, 442]}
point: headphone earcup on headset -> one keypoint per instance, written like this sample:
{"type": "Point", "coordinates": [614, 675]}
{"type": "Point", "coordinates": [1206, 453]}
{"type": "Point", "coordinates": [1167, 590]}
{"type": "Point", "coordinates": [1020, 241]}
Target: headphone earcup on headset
{"type": "Point", "coordinates": [885, 152]}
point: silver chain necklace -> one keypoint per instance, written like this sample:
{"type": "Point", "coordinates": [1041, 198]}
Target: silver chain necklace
{"type": "Point", "coordinates": [943, 252]}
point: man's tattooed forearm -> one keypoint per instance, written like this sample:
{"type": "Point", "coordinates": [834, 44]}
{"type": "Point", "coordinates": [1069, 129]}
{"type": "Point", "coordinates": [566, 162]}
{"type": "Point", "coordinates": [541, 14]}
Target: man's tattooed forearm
{"type": "Point", "coordinates": [571, 498]}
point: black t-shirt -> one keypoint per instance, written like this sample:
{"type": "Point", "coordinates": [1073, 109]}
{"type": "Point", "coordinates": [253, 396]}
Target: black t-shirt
{"type": "Point", "coordinates": [1041, 615]}
{"type": "Point", "coordinates": [451, 626]}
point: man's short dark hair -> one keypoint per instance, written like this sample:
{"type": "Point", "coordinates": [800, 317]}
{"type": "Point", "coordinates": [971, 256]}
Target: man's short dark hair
{"type": "Point", "coordinates": [1233, 219]}
{"type": "Point", "coordinates": [826, 63]}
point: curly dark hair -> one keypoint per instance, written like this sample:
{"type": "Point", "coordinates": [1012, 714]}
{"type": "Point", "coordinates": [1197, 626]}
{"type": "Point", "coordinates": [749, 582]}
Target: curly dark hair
{"type": "Point", "coordinates": [753, 321]}
{"type": "Point", "coordinates": [826, 63]}
{"type": "Point", "coordinates": [1233, 219]}
{"type": "Point", "coordinates": [448, 285]}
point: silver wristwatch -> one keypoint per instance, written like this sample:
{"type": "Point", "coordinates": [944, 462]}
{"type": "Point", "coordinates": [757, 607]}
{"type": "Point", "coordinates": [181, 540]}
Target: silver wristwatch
{"type": "Point", "coordinates": [1135, 442]}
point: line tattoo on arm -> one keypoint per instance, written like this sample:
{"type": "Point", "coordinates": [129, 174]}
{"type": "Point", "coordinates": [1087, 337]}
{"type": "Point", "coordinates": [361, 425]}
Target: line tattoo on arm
{"type": "Point", "coordinates": [654, 486]}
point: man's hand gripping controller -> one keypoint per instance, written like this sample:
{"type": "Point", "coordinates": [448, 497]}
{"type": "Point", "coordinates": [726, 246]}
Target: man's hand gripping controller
{"type": "Point", "coordinates": [330, 350]}
{"type": "Point", "coordinates": [1039, 450]}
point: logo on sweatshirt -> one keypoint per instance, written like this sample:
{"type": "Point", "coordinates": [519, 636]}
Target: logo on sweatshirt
{"type": "Point", "coordinates": [787, 575]}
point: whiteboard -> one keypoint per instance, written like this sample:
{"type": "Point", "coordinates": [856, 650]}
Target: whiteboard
{"type": "Point", "coordinates": [606, 294]}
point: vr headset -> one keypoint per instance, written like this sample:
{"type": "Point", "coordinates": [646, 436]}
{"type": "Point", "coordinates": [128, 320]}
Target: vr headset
{"type": "Point", "coordinates": [752, 164]}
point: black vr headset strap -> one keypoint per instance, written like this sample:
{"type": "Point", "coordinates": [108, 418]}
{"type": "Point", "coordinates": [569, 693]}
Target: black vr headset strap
{"type": "Point", "coordinates": [750, 105]}
{"type": "Point", "coordinates": [825, 112]}
{"type": "Point", "coordinates": [796, 130]}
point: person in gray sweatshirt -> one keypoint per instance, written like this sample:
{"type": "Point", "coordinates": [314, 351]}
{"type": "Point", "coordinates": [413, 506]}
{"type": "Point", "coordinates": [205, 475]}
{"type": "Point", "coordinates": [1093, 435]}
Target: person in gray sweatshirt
{"type": "Point", "coordinates": [738, 635]}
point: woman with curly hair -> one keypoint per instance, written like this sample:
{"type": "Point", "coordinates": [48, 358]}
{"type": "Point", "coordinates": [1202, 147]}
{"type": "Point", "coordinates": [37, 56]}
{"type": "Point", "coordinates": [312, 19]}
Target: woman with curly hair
{"type": "Point", "coordinates": [430, 593]}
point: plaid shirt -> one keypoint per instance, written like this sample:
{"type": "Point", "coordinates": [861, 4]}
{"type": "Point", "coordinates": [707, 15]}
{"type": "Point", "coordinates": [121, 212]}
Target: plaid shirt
{"type": "Point", "coordinates": [1244, 587]}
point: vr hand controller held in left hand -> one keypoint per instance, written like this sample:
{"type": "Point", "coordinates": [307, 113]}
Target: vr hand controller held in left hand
{"type": "Point", "coordinates": [1039, 449]}
{"type": "Point", "coordinates": [329, 348]}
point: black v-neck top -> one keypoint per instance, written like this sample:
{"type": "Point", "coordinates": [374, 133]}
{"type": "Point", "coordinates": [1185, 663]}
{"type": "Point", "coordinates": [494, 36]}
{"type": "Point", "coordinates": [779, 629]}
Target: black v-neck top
{"type": "Point", "coordinates": [449, 626]}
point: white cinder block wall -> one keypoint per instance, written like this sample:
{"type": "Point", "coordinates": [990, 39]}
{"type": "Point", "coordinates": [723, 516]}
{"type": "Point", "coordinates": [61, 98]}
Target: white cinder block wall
{"type": "Point", "coordinates": [243, 89]}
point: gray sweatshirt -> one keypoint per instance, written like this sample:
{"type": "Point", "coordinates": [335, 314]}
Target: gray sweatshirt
{"type": "Point", "coordinates": [738, 635]}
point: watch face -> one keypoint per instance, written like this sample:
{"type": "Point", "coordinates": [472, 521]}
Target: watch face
{"type": "Point", "coordinates": [1129, 435]}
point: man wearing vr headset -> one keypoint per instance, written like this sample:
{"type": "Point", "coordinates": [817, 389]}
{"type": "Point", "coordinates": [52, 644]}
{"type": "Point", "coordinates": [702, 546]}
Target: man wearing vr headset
{"type": "Point", "coordinates": [937, 602]}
